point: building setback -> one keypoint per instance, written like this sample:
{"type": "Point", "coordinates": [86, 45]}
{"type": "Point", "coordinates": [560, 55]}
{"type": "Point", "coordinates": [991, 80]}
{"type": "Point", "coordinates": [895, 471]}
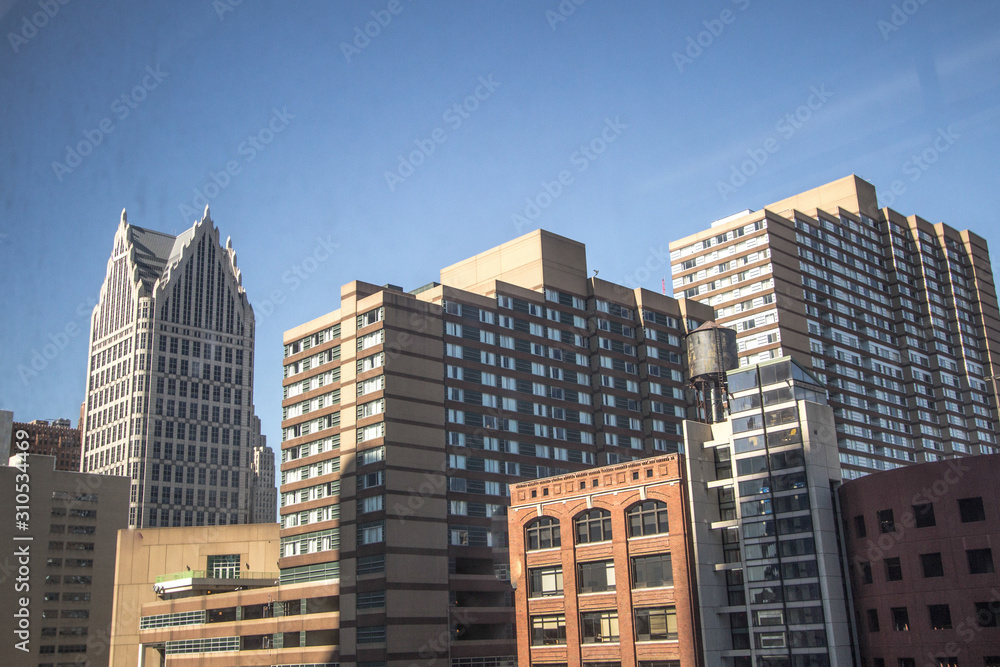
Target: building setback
{"type": "Point", "coordinates": [601, 560]}
{"type": "Point", "coordinates": [56, 439]}
{"type": "Point", "coordinates": [896, 316]}
{"type": "Point", "coordinates": [407, 414]}
{"type": "Point", "coordinates": [922, 551]}
{"type": "Point", "coordinates": [67, 546]}
{"type": "Point", "coordinates": [169, 399]}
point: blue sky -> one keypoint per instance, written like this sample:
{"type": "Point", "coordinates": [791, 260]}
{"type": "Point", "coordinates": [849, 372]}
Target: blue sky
{"type": "Point", "coordinates": [622, 125]}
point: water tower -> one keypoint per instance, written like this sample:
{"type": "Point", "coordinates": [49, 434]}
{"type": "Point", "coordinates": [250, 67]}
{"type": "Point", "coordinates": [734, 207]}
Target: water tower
{"type": "Point", "coordinates": [711, 351]}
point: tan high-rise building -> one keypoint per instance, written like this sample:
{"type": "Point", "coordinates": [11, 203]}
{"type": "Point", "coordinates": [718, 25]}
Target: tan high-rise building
{"type": "Point", "coordinates": [895, 315]}
{"type": "Point", "coordinates": [59, 565]}
{"type": "Point", "coordinates": [406, 415]}
{"type": "Point", "coordinates": [169, 398]}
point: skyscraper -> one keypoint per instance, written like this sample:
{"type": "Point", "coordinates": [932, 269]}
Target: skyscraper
{"type": "Point", "coordinates": [896, 316]}
{"type": "Point", "coordinates": [406, 414]}
{"type": "Point", "coordinates": [169, 398]}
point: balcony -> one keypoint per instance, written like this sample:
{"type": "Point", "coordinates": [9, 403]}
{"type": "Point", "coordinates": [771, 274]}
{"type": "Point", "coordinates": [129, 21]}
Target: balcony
{"type": "Point", "coordinates": [196, 582]}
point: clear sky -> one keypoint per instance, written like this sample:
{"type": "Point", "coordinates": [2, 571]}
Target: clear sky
{"type": "Point", "coordinates": [392, 138]}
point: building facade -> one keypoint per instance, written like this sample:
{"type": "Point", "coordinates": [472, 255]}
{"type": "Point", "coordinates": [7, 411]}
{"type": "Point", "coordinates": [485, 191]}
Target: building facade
{"type": "Point", "coordinates": [56, 439]}
{"type": "Point", "coordinates": [920, 546]}
{"type": "Point", "coordinates": [263, 492]}
{"type": "Point", "coordinates": [761, 485]}
{"type": "Point", "coordinates": [896, 316]}
{"type": "Point", "coordinates": [601, 561]}
{"type": "Point", "coordinates": [169, 398]}
{"type": "Point", "coordinates": [406, 414]}
{"type": "Point", "coordinates": [60, 562]}
{"type": "Point", "coordinates": [208, 595]}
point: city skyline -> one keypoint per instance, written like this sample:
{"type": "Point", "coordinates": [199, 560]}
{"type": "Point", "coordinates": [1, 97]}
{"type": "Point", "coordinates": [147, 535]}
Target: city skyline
{"type": "Point", "coordinates": [476, 135]}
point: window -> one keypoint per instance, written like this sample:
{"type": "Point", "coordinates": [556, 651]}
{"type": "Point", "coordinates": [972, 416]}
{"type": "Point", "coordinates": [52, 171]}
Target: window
{"type": "Point", "coordinates": [980, 561]}
{"type": "Point", "coordinates": [940, 616]}
{"type": "Point", "coordinates": [986, 614]}
{"type": "Point", "coordinates": [971, 510]}
{"type": "Point", "coordinates": [885, 521]}
{"type": "Point", "coordinates": [374, 634]}
{"type": "Point", "coordinates": [545, 581]}
{"type": "Point", "coordinates": [371, 532]}
{"type": "Point", "coordinates": [542, 533]}
{"type": "Point", "coordinates": [656, 624]}
{"type": "Point", "coordinates": [893, 569]}
{"type": "Point", "coordinates": [931, 564]}
{"type": "Point", "coordinates": [900, 619]}
{"type": "Point", "coordinates": [224, 567]}
{"type": "Point", "coordinates": [548, 630]}
{"type": "Point", "coordinates": [648, 518]}
{"type": "Point", "coordinates": [859, 526]}
{"type": "Point", "coordinates": [599, 626]}
{"type": "Point", "coordinates": [593, 526]}
{"type": "Point", "coordinates": [652, 571]}
{"type": "Point", "coordinates": [866, 572]}
{"type": "Point", "coordinates": [924, 515]}
{"type": "Point", "coordinates": [873, 620]}
{"type": "Point", "coordinates": [372, 600]}
{"type": "Point", "coordinates": [596, 577]}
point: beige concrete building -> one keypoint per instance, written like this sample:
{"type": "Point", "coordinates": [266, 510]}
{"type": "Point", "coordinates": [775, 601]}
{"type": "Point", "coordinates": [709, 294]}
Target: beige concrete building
{"type": "Point", "coordinates": [169, 397]}
{"type": "Point", "coordinates": [406, 415]}
{"type": "Point", "coordinates": [59, 560]}
{"type": "Point", "coordinates": [895, 315]}
{"type": "Point", "coordinates": [181, 594]}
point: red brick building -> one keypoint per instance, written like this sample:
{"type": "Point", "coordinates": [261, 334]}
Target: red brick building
{"type": "Point", "coordinates": [601, 561]}
{"type": "Point", "coordinates": [56, 439]}
{"type": "Point", "coordinates": [923, 544]}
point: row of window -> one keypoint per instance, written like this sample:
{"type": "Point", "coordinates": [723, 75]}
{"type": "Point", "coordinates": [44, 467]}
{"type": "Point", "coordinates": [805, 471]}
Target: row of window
{"type": "Point", "coordinates": [980, 561]}
{"type": "Point", "coordinates": [651, 624]}
{"type": "Point", "coordinates": [650, 571]}
{"type": "Point", "coordinates": [987, 615]}
{"type": "Point", "coordinates": [970, 510]}
{"type": "Point", "coordinates": [644, 518]}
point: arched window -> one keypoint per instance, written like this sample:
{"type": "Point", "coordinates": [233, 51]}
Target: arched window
{"type": "Point", "coordinates": [647, 518]}
{"type": "Point", "coordinates": [593, 526]}
{"type": "Point", "coordinates": [542, 533]}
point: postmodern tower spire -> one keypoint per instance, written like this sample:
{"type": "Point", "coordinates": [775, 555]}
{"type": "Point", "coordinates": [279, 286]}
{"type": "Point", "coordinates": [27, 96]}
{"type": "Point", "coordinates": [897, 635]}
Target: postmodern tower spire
{"type": "Point", "coordinates": [169, 398]}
